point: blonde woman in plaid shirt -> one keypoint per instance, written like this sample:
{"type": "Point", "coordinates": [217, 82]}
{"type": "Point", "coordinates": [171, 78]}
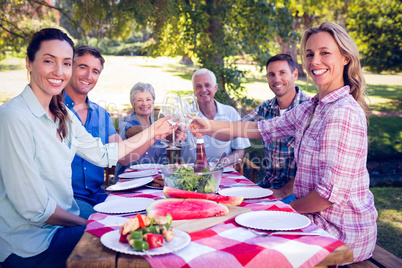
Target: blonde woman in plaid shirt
{"type": "Point", "coordinates": [279, 162]}
{"type": "Point", "coordinates": [332, 182]}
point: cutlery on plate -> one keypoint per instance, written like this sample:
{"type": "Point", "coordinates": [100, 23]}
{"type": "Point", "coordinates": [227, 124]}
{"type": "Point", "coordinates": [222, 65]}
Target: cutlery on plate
{"type": "Point", "coordinates": [280, 233]}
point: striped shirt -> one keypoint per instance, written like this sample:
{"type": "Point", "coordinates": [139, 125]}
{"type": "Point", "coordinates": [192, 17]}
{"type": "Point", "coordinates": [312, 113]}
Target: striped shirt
{"type": "Point", "coordinates": [331, 153]}
{"type": "Point", "coordinates": [279, 163]}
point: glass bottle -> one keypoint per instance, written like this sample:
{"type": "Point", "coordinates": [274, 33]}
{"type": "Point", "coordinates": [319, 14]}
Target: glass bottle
{"type": "Point", "coordinates": [201, 161]}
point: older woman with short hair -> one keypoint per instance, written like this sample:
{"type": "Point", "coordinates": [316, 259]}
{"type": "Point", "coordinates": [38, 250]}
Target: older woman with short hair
{"type": "Point", "coordinates": [142, 99]}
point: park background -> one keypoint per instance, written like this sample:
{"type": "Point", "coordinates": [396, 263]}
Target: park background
{"type": "Point", "coordinates": [163, 42]}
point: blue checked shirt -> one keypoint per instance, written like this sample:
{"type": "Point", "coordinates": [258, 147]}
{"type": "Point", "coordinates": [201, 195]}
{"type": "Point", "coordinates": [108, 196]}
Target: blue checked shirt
{"type": "Point", "coordinates": [279, 163]}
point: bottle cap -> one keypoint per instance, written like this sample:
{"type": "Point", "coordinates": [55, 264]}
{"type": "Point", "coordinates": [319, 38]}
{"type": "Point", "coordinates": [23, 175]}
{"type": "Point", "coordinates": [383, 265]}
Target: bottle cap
{"type": "Point", "coordinates": [201, 140]}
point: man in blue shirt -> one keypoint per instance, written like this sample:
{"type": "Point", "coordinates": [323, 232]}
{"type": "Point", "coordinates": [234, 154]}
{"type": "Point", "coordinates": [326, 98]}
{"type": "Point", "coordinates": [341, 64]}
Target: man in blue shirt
{"type": "Point", "coordinates": [279, 163]}
{"type": "Point", "coordinates": [86, 177]}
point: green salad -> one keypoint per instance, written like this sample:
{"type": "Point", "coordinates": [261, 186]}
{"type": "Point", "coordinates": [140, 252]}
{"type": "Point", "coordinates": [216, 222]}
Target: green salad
{"type": "Point", "coordinates": [185, 179]}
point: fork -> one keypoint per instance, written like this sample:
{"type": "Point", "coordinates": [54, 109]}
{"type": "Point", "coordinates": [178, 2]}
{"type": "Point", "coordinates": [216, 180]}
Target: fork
{"type": "Point", "coordinates": [280, 233]}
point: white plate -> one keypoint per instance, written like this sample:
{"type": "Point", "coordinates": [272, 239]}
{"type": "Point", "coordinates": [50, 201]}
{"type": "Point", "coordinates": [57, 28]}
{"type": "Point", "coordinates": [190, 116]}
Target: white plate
{"type": "Point", "coordinates": [246, 192]}
{"type": "Point", "coordinates": [146, 166]}
{"type": "Point", "coordinates": [111, 240]}
{"type": "Point", "coordinates": [138, 174]}
{"type": "Point", "coordinates": [123, 205]}
{"type": "Point", "coordinates": [127, 185]}
{"type": "Point", "coordinates": [273, 220]}
{"type": "Point", "coordinates": [229, 169]}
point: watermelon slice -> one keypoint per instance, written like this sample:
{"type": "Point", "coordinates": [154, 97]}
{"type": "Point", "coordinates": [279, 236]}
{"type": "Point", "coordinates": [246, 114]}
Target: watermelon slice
{"type": "Point", "coordinates": [185, 209]}
{"type": "Point", "coordinates": [229, 201]}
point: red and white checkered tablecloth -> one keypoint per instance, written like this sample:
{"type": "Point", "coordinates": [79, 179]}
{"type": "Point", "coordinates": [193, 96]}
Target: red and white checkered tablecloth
{"type": "Point", "coordinates": [229, 244]}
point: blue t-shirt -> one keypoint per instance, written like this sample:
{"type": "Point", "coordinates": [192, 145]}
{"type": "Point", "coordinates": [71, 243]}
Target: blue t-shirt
{"type": "Point", "coordinates": [155, 154]}
{"type": "Point", "coordinates": [87, 178]}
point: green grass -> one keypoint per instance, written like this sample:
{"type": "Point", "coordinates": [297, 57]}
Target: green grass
{"type": "Point", "coordinates": [393, 105]}
{"type": "Point", "coordinates": [385, 136]}
{"type": "Point", "coordinates": [380, 97]}
{"type": "Point", "coordinates": [11, 64]}
{"type": "Point", "coordinates": [389, 223]}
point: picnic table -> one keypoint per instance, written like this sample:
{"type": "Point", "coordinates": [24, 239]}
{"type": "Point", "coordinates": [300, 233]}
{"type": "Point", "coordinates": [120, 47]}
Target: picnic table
{"type": "Point", "coordinates": [225, 243]}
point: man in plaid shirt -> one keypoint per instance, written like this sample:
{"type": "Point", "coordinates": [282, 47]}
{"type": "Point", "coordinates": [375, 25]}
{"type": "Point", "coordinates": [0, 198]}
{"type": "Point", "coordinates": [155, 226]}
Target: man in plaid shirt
{"type": "Point", "coordinates": [279, 163]}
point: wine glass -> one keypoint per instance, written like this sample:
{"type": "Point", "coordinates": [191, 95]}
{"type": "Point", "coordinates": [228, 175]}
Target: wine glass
{"type": "Point", "coordinates": [184, 125]}
{"type": "Point", "coordinates": [189, 106]}
{"type": "Point", "coordinates": [172, 107]}
{"type": "Point", "coordinates": [164, 142]}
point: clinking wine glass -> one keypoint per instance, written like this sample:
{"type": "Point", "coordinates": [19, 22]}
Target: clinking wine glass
{"type": "Point", "coordinates": [189, 106]}
{"type": "Point", "coordinates": [183, 124]}
{"type": "Point", "coordinates": [172, 107]}
{"type": "Point", "coordinates": [170, 110]}
{"type": "Point", "coordinates": [164, 142]}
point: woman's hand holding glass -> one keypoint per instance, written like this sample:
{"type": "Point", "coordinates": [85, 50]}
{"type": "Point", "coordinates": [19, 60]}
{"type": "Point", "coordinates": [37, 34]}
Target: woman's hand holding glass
{"type": "Point", "coordinates": [162, 128]}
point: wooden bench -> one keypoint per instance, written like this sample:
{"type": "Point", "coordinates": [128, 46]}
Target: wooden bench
{"type": "Point", "coordinates": [381, 258]}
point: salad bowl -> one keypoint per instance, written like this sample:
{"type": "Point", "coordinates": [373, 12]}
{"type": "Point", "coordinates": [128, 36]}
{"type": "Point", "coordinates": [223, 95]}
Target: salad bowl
{"type": "Point", "coordinates": [182, 176]}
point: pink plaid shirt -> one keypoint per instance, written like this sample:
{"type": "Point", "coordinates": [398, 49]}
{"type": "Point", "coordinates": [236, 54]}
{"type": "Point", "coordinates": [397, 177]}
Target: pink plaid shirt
{"type": "Point", "coordinates": [330, 153]}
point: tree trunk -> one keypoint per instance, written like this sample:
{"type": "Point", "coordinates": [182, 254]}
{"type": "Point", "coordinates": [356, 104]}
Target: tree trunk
{"type": "Point", "coordinates": [291, 46]}
{"type": "Point", "coordinates": [215, 33]}
{"type": "Point", "coordinates": [186, 60]}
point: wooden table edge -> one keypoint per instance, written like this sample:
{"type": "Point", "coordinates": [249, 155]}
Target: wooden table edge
{"type": "Point", "coordinates": [340, 255]}
{"type": "Point", "coordinates": [89, 252]}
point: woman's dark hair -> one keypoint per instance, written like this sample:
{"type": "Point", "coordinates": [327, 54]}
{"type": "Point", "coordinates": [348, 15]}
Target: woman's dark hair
{"type": "Point", "coordinates": [56, 105]}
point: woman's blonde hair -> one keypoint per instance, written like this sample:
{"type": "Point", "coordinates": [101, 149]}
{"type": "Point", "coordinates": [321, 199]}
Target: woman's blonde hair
{"type": "Point", "coordinates": [352, 73]}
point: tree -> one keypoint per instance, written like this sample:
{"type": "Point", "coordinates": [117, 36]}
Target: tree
{"type": "Point", "coordinates": [216, 32]}
{"type": "Point", "coordinates": [376, 27]}
{"type": "Point", "coordinates": [20, 19]}
{"type": "Point", "coordinates": [309, 13]}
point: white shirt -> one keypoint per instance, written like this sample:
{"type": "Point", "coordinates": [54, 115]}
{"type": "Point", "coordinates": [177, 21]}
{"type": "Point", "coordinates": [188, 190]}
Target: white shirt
{"type": "Point", "coordinates": [213, 147]}
{"type": "Point", "coordinates": [35, 172]}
